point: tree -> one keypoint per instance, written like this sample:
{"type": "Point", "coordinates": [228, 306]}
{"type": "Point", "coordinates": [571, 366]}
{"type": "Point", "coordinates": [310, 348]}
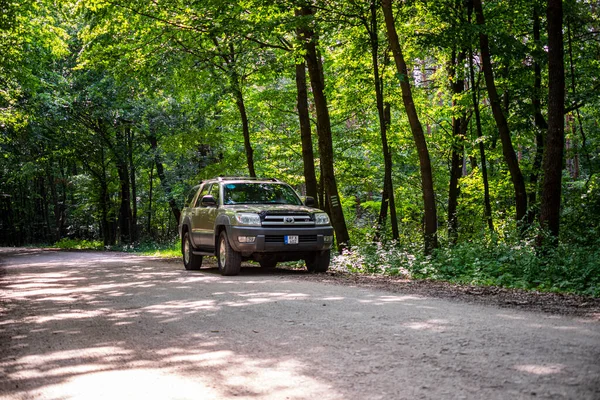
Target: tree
{"type": "Point", "coordinates": [553, 150]}
{"type": "Point", "coordinates": [430, 231]}
{"type": "Point", "coordinates": [317, 83]}
{"type": "Point", "coordinates": [459, 127]}
{"type": "Point", "coordinates": [510, 157]}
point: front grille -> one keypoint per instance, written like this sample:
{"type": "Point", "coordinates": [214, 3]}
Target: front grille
{"type": "Point", "coordinates": [287, 219]}
{"type": "Point", "coordinates": [301, 239]}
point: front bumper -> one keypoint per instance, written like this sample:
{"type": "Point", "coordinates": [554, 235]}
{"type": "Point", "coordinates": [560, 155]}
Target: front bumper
{"type": "Point", "coordinates": [271, 240]}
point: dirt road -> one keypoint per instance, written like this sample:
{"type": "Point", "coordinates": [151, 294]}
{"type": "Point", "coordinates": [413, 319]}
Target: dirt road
{"type": "Point", "coordinates": [111, 326]}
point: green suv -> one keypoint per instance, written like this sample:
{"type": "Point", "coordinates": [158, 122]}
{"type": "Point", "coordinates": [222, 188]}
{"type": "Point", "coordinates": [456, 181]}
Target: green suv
{"type": "Point", "coordinates": [239, 219]}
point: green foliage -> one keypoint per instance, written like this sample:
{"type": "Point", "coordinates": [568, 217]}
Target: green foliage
{"type": "Point", "coordinates": [166, 250]}
{"type": "Point", "coordinates": [489, 261]}
{"type": "Point", "coordinates": [79, 244]}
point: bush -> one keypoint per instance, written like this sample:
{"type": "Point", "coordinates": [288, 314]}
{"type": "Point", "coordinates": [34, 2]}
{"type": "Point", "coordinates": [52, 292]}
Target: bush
{"type": "Point", "coordinates": [488, 261]}
{"type": "Point", "coordinates": [159, 250]}
{"type": "Point", "coordinates": [78, 244]}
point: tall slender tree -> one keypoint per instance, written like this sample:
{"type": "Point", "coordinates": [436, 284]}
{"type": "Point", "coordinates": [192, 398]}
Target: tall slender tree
{"type": "Point", "coordinates": [430, 231]}
{"type": "Point", "coordinates": [510, 156]}
{"type": "Point", "coordinates": [315, 70]}
{"type": "Point", "coordinates": [458, 128]}
{"type": "Point", "coordinates": [308, 160]}
{"type": "Point", "coordinates": [554, 148]}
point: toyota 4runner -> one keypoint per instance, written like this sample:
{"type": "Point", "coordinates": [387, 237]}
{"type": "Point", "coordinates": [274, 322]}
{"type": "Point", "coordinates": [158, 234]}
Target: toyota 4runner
{"type": "Point", "coordinates": [239, 219]}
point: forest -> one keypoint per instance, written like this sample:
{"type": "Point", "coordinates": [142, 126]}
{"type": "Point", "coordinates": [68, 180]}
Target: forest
{"type": "Point", "coordinates": [447, 139]}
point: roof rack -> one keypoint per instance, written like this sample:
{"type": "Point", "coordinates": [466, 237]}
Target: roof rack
{"type": "Point", "coordinates": [244, 178]}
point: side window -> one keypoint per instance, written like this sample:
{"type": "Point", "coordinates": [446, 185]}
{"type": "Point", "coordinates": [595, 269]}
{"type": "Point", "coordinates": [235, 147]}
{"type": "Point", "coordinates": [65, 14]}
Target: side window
{"type": "Point", "coordinates": [203, 193]}
{"type": "Point", "coordinates": [214, 192]}
{"type": "Point", "coordinates": [190, 196]}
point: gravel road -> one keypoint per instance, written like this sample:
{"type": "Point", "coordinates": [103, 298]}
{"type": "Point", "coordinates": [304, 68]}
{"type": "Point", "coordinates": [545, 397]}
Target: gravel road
{"type": "Point", "coordinates": [87, 325]}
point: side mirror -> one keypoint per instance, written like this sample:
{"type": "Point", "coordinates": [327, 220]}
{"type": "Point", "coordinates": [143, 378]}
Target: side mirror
{"type": "Point", "coordinates": [309, 201]}
{"type": "Point", "coordinates": [208, 201]}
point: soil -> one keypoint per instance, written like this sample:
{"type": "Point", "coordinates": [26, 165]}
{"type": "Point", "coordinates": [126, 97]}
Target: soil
{"type": "Point", "coordinates": [553, 303]}
{"type": "Point", "coordinates": [100, 325]}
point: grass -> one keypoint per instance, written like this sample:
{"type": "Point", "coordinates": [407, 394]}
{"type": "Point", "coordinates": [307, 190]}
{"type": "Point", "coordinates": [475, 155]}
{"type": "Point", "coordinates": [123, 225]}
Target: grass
{"type": "Point", "coordinates": [169, 250]}
{"type": "Point", "coordinates": [160, 250]}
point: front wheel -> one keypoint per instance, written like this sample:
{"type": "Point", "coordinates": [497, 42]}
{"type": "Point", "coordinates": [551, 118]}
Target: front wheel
{"type": "Point", "coordinates": [191, 261]}
{"type": "Point", "coordinates": [229, 260]}
{"type": "Point", "coordinates": [319, 262]}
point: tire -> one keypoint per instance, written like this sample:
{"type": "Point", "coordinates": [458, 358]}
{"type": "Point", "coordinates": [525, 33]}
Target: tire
{"type": "Point", "coordinates": [268, 262]}
{"type": "Point", "coordinates": [191, 262]}
{"type": "Point", "coordinates": [319, 262]}
{"type": "Point", "coordinates": [228, 260]}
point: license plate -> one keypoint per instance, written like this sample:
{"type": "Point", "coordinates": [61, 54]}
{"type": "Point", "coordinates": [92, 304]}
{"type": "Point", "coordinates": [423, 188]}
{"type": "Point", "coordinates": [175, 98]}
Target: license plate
{"type": "Point", "coordinates": [291, 239]}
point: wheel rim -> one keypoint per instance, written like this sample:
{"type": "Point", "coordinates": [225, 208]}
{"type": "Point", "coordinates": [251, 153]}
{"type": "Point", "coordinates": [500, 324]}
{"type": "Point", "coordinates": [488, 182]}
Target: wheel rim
{"type": "Point", "coordinates": [186, 249]}
{"type": "Point", "coordinates": [222, 253]}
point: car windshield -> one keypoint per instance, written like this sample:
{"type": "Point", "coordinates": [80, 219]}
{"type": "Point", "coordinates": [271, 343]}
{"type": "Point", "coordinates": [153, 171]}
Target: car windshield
{"type": "Point", "coordinates": [259, 193]}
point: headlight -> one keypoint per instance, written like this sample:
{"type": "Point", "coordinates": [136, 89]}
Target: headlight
{"type": "Point", "coordinates": [247, 219]}
{"type": "Point", "coordinates": [321, 219]}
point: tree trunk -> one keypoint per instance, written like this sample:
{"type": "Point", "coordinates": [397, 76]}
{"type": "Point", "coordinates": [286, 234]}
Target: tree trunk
{"type": "Point", "coordinates": [133, 184]}
{"type": "Point", "coordinates": [553, 151]}
{"type": "Point", "coordinates": [163, 179]}
{"type": "Point", "coordinates": [107, 223]}
{"type": "Point", "coordinates": [578, 113]}
{"type": "Point", "coordinates": [125, 193]}
{"type": "Point", "coordinates": [239, 101]}
{"type": "Point", "coordinates": [150, 195]}
{"type": "Point", "coordinates": [540, 122]}
{"type": "Point", "coordinates": [324, 133]}
{"type": "Point", "coordinates": [486, 185]}
{"type": "Point", "coordinates": [125, 207]}
{"type": "Point", "coordinates": [55, 203]}
{"type": "Point", "coordinates": [508, 151]}
{"type": "Point", "coordinates": [458, 86]}
{"type": "Point", "coordinates": [475, 97]}
{"type": "Point", "coordinates": [308, 159]}
{"type": "Point", "coordinates": [387, 199]}
{"type": "Point", "coordinates": [430, 235]}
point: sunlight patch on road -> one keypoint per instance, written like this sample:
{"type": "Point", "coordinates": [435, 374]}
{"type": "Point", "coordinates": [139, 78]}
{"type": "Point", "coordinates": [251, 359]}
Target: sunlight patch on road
{"type": "Point", "coordinates": [210, 358]}
{"type": "Point", "coordinates": [114, 373]}
{"type": "Point", "coordinates": [106, 353]}
{"type": "Point", "coordinates": [385, 300]}
{"type": "Point", "coordinates": [148, 384]}
{"type": "Point", "coordinates": [434, 325]}
{"type": "Point", "coordinates": [74, 314]}
{"type": "Point", "coordinates": [174, 307]}
{"type": "Point", "coordinates": [540, 369]}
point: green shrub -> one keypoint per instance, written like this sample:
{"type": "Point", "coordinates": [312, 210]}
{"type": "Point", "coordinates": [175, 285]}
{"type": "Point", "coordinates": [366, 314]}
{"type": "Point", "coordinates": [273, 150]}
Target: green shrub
{"type": "Point", "coordinates": [78, 244]}
{"type": "Point", "coordinates": [512, 263]}
{"type": "Point", "coordinates": [168, 250]}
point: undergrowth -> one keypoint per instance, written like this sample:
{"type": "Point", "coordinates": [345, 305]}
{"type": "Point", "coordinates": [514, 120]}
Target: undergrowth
{"type": "Point", "coordinates": [518, 264]}
{"type": "Point", "coordinates": [144, 248]}
{"type": "Point", "coordinates": [489, 261]}
{"type": "Point", "coordinates": [79, 244]}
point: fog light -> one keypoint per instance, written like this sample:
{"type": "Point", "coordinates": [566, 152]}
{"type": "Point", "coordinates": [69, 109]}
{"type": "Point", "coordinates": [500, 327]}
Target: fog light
{"type": "Point", "coordinates": [327, 239]}
{"type": "Point", "coordinates": [246, 239]}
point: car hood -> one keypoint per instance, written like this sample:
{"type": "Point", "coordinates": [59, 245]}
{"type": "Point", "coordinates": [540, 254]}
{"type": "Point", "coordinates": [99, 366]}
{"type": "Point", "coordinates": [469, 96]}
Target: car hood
{"type": "Point", "coordinates": [277, 208]}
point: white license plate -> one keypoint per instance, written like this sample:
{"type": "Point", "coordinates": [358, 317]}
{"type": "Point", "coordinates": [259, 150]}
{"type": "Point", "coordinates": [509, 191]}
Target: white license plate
{"type": "Point", "coordinates": [291, 239]}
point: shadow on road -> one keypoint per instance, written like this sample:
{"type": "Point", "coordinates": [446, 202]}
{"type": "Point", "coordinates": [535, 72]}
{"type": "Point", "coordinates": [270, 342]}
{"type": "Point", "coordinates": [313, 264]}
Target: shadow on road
{"type": "Point", "coordinates": [107, 325]}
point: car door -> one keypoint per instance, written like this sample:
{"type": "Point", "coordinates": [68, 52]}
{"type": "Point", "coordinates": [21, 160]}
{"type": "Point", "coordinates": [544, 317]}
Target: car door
{"type": "Point", "coordinates": [209, 215]}
{"type": "Point", "coordinates": [197, 217]}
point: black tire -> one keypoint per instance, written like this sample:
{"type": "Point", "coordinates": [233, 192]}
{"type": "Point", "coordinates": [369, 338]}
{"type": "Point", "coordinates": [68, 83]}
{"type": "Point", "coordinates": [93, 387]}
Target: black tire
{"type": "Point", "coordinates": [268, 262]}
{"type": "Point", "coordinates": [228, 260]}
{"type": "Point", "coordinates": [319, 262]}
{"type": "Point", "coordinates": [191, 262]}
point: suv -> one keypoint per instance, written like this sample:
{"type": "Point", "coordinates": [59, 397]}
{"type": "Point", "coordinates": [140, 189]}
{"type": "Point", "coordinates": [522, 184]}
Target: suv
{"type": "Point", "coordinates": [238, 219]}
